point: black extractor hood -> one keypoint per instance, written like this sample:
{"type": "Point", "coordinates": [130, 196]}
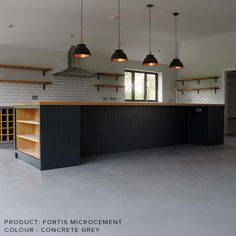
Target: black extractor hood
{"type": "Point", "coordinates": [73, 69]}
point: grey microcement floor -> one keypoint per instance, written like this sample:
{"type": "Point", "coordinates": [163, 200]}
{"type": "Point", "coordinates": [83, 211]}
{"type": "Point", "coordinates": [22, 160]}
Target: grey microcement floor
{"type": "Point", "coordinates": [173, 191]}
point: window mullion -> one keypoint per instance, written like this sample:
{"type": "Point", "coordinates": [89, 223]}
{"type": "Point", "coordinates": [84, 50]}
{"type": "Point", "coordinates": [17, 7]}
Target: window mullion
{"type": "Point", "coordinates": [145, 86]}
{"type": "Point", "coordinates": [133, 90]}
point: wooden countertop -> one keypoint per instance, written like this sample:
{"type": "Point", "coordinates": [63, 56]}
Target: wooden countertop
{"type": "Point", "coordinates": [115, 104]}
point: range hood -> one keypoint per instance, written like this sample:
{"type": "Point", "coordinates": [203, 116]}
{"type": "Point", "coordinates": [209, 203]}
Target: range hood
{"type": "Point", "coordinates": [73, 70]}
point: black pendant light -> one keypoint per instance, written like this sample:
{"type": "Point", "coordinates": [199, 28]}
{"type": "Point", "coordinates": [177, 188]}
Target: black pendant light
{"type": "Point", "coordinates": [119, 55]}
{"type": "Point", "coordinates": [81, 50]}
{"type": "Point", "coordinates": [150, 60]}
{"type": "Point", "coordinates": [176, 64]}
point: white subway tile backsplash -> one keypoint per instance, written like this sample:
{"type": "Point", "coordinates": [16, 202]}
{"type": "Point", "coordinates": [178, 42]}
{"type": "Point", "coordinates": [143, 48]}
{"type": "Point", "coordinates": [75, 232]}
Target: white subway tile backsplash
{"type": "Point", "coordinates": [62, 89]}
{"type": "Point", "coordinates": [79, 89]}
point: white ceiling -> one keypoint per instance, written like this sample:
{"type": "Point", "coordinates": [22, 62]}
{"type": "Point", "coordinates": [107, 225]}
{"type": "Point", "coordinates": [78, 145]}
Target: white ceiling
{"type": "Point", "coordinates": [48, 24]}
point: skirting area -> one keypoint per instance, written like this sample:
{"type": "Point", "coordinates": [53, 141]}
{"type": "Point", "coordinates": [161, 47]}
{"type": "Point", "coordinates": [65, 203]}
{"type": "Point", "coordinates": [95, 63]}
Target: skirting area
{"type": "Point", "coordinates": [181, 191]}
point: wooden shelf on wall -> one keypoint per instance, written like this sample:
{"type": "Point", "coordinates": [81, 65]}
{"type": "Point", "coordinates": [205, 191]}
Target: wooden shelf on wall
{"type": "Point", "coordinates": [198, 79]}
{"type": "Point", "coordinates": [108, 86]}
{"type": "Point", "coordinates": [32, 68]}
{"type": "Point", "coordinates": [42, 82]}
{"type": "Point", "coordinates": [197, 89]}
{"type": "Point", "coordinates": [109, 74]}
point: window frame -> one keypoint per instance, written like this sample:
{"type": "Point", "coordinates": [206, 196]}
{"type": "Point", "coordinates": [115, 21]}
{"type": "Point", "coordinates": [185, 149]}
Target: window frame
{"type": "Point", "coordinates": [145, 86]}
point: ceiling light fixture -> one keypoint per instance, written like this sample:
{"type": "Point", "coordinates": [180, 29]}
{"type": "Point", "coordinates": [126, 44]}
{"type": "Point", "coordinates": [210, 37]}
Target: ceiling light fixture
{"type": "Point", "coordinates": [150, 60]}
{"type": "Point", "coordinates": [81, 50]}
{"type": "Point", "coordinates": [119, 55]}
{"type": "Point", "coordinates": [176, 64]}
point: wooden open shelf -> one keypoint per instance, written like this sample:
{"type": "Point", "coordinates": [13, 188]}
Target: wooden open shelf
{"type": "Point", "coordinates": [19, 67]}
{"type": "Point", "coordinates": [108, 86]}
{"type": "Point", "coordinates": [6, 125]}
{"type": "Point", "coordinates": [25, 81]}
{"type": "Point", "coordinates": [32, 122]}
{"type": "Point", "coordinates": [44, 83]}
{"type": "Point", "coordinates": [27, 131]}
{"type": "Point", "coordinates": [198, 79]}
{"type": "Point", "coordinates": [109, 74]}
{"type": "Point", "coordinates": [27, 114]}
{"type": "Point", "coordinates": [197, 89]}
{"type": "Point", "coordinates": [30, 137]}
{"type": "Point", "coordinates": [30, 152]}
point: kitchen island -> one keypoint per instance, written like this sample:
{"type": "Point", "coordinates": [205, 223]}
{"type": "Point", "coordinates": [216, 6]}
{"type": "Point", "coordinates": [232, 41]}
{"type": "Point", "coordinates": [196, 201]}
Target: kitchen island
{"type": "Point", "coordinates": [52, 135]}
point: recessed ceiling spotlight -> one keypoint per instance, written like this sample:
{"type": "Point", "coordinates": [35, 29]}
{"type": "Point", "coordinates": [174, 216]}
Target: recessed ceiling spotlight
{"type": "Point", "coordinates": [11, 26]}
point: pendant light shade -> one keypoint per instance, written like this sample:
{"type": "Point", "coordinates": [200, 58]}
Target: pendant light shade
{"type": "Point", "coordinates": [119, 55]}
{"type": "Point", "coordinates": [81, 50]}
{"type": "Point", "coordinates": [176, 64]}
{"type": "Point", "coordinates": [150, 60]}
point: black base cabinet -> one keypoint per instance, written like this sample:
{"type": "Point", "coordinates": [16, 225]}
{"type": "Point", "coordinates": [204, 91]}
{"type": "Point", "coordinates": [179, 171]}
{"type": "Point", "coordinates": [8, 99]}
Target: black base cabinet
{"type": "Point", "coordinates": [206, 126]}
{"type": "Point", "coordinates": [56, 136]}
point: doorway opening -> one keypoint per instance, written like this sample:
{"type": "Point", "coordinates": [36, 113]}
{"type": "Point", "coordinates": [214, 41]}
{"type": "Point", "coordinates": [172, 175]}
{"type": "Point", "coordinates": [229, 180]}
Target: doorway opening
{"type": "Point", "coordinates": [230, 102]}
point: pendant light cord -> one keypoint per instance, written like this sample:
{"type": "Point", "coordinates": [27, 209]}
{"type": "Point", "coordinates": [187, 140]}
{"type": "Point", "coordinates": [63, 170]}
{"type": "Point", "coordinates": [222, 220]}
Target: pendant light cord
{"type": "Point", "coordinates": [176, 44]}
{"type": "Point", "coordinates": [81, 21]}
{"type": "Point", "coordinates": [150, 32]}
{"type": "Point", "coordinates": [119, 24]}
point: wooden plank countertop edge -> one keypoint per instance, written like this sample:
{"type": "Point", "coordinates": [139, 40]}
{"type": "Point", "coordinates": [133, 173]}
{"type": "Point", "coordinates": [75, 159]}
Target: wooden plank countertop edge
{"type": "Point", "coordinates": [114, 104]}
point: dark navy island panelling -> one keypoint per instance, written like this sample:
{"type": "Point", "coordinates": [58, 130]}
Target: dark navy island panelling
{"type": "Point", "coordinates": [106, 129]}
{"type": "Point", "coordinates": [68, 132]}
{"type": "Point", "coordinates": [60, 136]}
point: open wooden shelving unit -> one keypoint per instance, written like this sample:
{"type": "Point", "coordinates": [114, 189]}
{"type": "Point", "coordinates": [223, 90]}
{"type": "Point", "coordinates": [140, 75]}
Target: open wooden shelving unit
{"type": "Point", "coordinates": [215, 88]}
{"type": "Point", "coordinates": [29, 68]}
{"type": "Point", "coordinates": [197, 89]}
{"type": "Point", "coordinates": [198, 79]}
{"type": "Point", "coordinates": [27, 131]}
{"type": "Point", "coordinates": [116, 86]}
{"type": "Point", "coordinates": [47, 137]}
{"type": "Point", "coordinates": [6, 125]}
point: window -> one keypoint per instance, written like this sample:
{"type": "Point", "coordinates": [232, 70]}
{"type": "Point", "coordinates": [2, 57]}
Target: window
{"type": "Point", "coordinates": [141, 86]}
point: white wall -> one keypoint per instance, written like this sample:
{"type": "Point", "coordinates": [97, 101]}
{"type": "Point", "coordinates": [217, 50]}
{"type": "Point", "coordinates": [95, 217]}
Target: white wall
{"type": "Point", "coordinates": [100, 63]}
{"type": "Point", "coordinates": [208, 57]}
{"type": "Point", "coordinates": [66, 89]}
